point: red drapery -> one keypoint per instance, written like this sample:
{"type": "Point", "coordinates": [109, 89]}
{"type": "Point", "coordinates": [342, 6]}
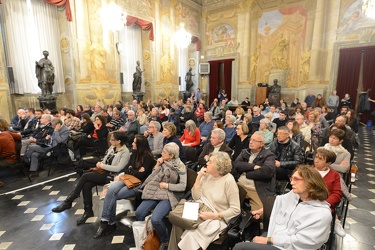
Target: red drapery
{"type": "Point", "coordinates": [196, 40]}
{"type": "Point", "coordinates": [145, 25]}
{"type": "Point", "coordinates": [302, 11]}
{"type": "Point", "coordinates": [68, 11]}
{"type": "Point", "coordinates": [348, 73]}
{"type": "Point", "coordinates": [214, 78]}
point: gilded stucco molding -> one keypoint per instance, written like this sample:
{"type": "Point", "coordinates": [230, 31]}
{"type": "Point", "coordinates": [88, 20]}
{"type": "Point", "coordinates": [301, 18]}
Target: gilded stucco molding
{"type": "Point", "coordinates": [221, 15]}
{"type": "Point", "coordinates": [101, 94]}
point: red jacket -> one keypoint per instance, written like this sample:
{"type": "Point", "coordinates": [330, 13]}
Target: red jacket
{"type": "Point", "coordinates": [187, 138]}
{"type": "Point", "coordinates": [8, 144]}
{"type": "Point", "coordinates": [332, 180]}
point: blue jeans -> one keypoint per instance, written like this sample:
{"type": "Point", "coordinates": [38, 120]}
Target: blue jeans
{"type": "Point", "coordinates": [118, 190]}
{"type": "Point", "coordinates": [161, 209]}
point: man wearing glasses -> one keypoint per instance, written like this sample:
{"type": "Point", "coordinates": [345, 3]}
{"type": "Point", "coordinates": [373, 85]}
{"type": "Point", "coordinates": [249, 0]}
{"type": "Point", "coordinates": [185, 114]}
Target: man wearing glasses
{"type": "Point", "coordinates": [288, 154]}
{"type": "Point", "coordinates": [154, 137]}
{"type": "Point", "coordinates": [256, 171]}
{"type": "Point", "coordinates": [257, 116]}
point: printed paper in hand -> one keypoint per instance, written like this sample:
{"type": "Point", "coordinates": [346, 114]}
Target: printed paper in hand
{"type": "Point", "coordinates": [191, 210]}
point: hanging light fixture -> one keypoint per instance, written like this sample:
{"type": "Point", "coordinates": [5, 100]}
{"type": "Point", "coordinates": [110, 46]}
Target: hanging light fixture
{"type": "Point", "coordinates": [182, 38]}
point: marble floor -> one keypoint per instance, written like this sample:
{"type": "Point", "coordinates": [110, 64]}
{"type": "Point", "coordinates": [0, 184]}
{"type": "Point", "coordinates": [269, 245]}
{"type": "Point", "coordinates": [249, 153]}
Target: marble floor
{"type": "Point", "coordinates": [28, 223]}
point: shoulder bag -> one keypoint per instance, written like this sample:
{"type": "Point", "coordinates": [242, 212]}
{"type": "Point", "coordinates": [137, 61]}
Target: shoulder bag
{"type": "Point", "coordinates": [152, 241]}
{"type": "Point", "coordinates": [130, 180]}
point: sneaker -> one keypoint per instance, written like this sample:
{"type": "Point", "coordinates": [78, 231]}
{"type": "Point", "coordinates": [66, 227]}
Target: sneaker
{"type": "Point", "coordinates": [163, 245]}
{"type": "Point", "coordinates": [339, 230]}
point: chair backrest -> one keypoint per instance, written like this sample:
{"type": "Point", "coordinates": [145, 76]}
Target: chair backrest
{"type": "Point", "coordinates": [191, 153]}
{"type": "Point", "coordinates": [242, 193]}
{"type": "Point", "coordinates": [191, 177]}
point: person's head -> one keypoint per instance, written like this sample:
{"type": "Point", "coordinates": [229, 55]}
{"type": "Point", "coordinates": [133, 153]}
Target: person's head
{"type": "Point", "coordinates": [233, 99]}
{"type": "Point", "coordinates": [242, 129]}
{"type": "Point", "coordinates": [218, 124]}
{"type": "Point", "coordinates": [154, 112]}
{"type": "Point", "coordinates": [347, 95]}
{"type": "Point", "coordinates": [4, 125]}
{"type": "Point", "coordinates": [141, 111]}
{"type": "Point", "coordinates": [255, 111]}
{"type": "Point", "coordinates": [187, 108]}
{"type": "Point", "coordinates": [324, 109]}
{"type": "Point", "coordinates": [100, 120]}
{"type": "Point", "coordinates": [344, 109]}
{"type": "Point", "coordinates": [239, 111]}
{"type": "Point", "coordinates": [313, 117]}
{"type": "Point", "coordinates": [70, 113]}
{"type": "Point", "coordinates": [207, 116]}
{"type": "Point", "coordinates": [219, 164]}
{"type": "Point", "coordinates": [282, 115]}
{"type": "Point", "coordinates": [256, 142]}
{"type": "Point", "coordinates": [21, 113]}
{"type": "Point", "coordinates": [230, 120]}
{"type": "Point", "coordinates": [169, 130]}
{"type": "Point", "coordinates": [217, 137]}
{"type": "Point", "coordinates": [273, 108]}
{"type": "Point", "coordinates": [87, 107]}
{"type": "Point", "coordinates": [190, 126]}
{"type": "Point", "coordinates": [293, 127]}
{"type": "Point", "coordinates": [264, 124]}
{"type": "Point", "coordinates": [300, 119]}
{"type": "Point", "coordinates": [56, 121]}
{"type": "Point", "coordinates": [269, 116]}
{"type": "Point", "coordinates": [131, 115]}
{"type": "Point", "coordinates": [86, 118]}
{"type": "Point", "coordinates": [248, 118]}
{"type": "Point", "coordinates": [284, 105]}
{"type": "Point", "coordinates": [310, 93]}
{"type": "Point", "coordinates": [30, 112]}
{"type": "Point", "coordinates": [170, 151]}
{"type": "Point", "coordinates": [303, 105]}
{"type": "Point", "coordinates": [153, 127]}
{"type": "Point", "coordinates": [334, 92]}
{"type": "Point", "coordinates": [296, 100]}
{"type": "Point", "coordinates": [45, 119]}
{"type": "Point", "coordinates": [319, 96]}
{"type": "Point", "coordinates": [38, 113]}
{"type": "Point", "coordinates": [350, 114]}
{"type": "Point", "coordinates": [283, 134]}
{"type": "Point", "coordinates": [116, 114]}
{"type": "Point", "coordinates": [323, 158]}
{"type": "Point", "coordinates": [308, 184]}
{"type": "Point", "coordinates": [340, 121]}
{"type": "Point", "coordinates": [63, 111]}
{"type": "Point", "coordinates": [336, 137]}
{"type": "Point", "coordinates": [97, 108]}
{"type": "Point", "coordinates": [118, 139]}
{"type": "Point", "coordinates": [228, 112]}
{"type": "Point", "coordinates": [140, 144]}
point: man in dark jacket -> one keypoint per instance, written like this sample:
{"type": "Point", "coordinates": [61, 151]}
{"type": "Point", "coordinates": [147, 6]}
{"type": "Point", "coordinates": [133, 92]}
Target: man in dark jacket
{"type": "Point", "coordinates": [288, 154]}
{"type": "Point", "coordinates": [216, 144]}
{"type": "Point", "coordinates": [256, 170]}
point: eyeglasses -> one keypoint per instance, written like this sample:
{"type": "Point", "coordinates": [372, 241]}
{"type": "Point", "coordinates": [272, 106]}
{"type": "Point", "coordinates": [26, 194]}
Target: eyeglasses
{"type": "Point", "coordinates": [255, 140]}
{"type": "Point", "coordinates": [293, 178]}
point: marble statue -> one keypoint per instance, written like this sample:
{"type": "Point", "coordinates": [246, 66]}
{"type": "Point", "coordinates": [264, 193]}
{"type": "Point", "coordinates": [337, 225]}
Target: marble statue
{"type": "Point", "coordinates": [274, 93]}
{"type": "Point", "coordinates": [189, 80]}
{"type": "Point", "coordinates": [44, 71]}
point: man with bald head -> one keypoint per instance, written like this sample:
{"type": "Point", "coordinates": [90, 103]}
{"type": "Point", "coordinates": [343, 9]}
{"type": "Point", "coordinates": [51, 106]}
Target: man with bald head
{"type": "Point", "coordinates": [131, 127]}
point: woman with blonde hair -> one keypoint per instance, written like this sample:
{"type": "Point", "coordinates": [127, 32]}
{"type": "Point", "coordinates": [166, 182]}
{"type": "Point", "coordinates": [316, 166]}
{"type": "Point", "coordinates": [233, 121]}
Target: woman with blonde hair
{"type": "Point", "coordinates": [192, 135]}
{"type": "Point", "coordinates": [239, 115]}
{"type": "Point", "coordinates": [316, 127]}
{"type": "Point", "coordinates": [240, 140]}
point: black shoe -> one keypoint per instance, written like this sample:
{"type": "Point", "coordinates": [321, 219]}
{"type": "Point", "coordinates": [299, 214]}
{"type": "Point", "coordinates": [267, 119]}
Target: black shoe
{"type": "Point", "coordinates": [163, 245]}
{"type": "Point", "coordinates": [84, 217]}
{"type": "Point", "coordinates": [104, 229]}
{"type": "Point", "coordinates": [63, 206]}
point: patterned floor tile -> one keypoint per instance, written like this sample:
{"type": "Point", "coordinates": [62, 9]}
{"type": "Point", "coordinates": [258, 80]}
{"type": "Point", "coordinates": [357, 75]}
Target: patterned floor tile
{"type": "Point", "coordinates": [5, 245]}
{"type": "Point", "coordinates": [369, 163]}
{"type": "Point", "coordinates": [23, 203]}
{"type": "Point", "coordinates": [351, 206]}
{"type": "Point", "coordinates": [80, 211]}
{"type": "Point", "coordinates": [46, 227]}
{"type": "Point", "coordinates": [370, 169]}
{"type": "Point", "coordinates": [17, 197]}
{"type": "Point", "coordinates": [2, 232]}
{"type": "Point", "coordinates": [30, 210]}
{"type": "Point", "coordinates": [118, 239]}
{"type": "Point", "coordinates": [69, 247]}
{"type": "Point", "coordinates": [61, 198]}
{"type": "Point", "coordinates": [350, 220]}
{"type": "Point", "coordinates": [373, 212]}
{"type": "Point", "coordinates": [54, 193]}
{"type": "Point", "coordinates": [91, 219]}
{"type": "Point", "coordinates": [56, 236]}
{"type": "Point", "coordinates": [37, 218]}
{"type": "Point", "coordinates": [372, 182]}
{"type": "Point", "coordinates": [72, 179]}
{"type": "Point", "coordinates": [47, 188]}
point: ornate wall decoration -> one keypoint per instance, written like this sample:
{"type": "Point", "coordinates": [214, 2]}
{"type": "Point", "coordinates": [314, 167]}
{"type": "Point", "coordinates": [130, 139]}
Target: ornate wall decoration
{"type": "Point", "coordinates": [222, 34]}
{"type": "Point", "coordinates": [167, 93]}
{"type": "Point", "coordinates": [64, 44]}
{"type": "Point", "coordinates": [192, 62]}
{"type": "Point", "coordinates": [68, 80]}
{"type": "Point", "coordinates": [96, 55]}
{"type": "Point", "coordinates": [103, 95]}
{"type": "Point", "coordinates": [146, 55]}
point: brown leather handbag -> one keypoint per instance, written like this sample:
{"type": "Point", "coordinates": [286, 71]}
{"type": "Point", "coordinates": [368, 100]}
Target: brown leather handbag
{"type": "Point", "coordinates": [152, 241]}
{"type": "Point", "coordinates": [130, 180]}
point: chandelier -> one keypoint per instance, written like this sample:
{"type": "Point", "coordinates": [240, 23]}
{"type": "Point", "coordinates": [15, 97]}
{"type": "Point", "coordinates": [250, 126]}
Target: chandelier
{"type": "Point", "coordinates": [182, 38]}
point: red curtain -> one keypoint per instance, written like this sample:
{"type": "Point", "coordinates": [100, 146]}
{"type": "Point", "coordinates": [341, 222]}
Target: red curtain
{"type": "Point", "coordinates": [68, 11]}
{"type": "Point", "coordinates": [145, 25]}
{"type": "Point", "coordinates": [214, 78]}
{"type": "Point", "coordinates": [348, 73]}
{"type": "Point", "coordinates": [369, 78]}
{"type": "Point", "coordinates": [196, 40]}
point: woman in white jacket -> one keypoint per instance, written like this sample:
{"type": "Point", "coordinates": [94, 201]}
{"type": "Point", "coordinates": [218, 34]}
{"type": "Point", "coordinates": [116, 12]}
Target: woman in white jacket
{"type": "Point", "coordinates": [300, 219]}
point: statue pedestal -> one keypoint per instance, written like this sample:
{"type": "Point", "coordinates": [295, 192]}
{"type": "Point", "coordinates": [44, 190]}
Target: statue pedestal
{"type": "Point", "coordinates": [138, 96]}
{"type": "Point", "coordinates": [279, 74]}
{"type": "Point", "coordinates": [48, 102]}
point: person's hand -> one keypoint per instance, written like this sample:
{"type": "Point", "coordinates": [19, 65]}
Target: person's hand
{"type": "Point", "coordinates": [109, 125]}
{"type": "Point", "coordinates": [257, 167]}
{"type": "Point", "coordinates": [117, 178]}
{"type": "Point", "coordinates": [57, 127]}
{"type": "Point", "coordinates": [344, 163]}
{"type": "Point", "coordinates": [208, 215]}
{"type": "Point", "coordinates": [99, 164]}
{"type": "Point", "coordinates": [159, 161]}
{"type": "Point", "coordinates": [257, 213]}
{"type": "Point", "coordinates": [260, 240]}
{"type": "Point", "coordinates": [277, 164]}
{"type": "Point", "coordinates": [202, 172]}
{"type": "Point", "coordinates": [204, 138]}
{"type": "Point", "coordinates": [121, 129]}
{"type": "Point", "coordinates": [48, 137]}
{"type": "Point", "coordinates": [145, 133]}
{"type": "Point", "coordinates": [89, 136]}
{"type": "Point", "coordinates": [142, 169]}
{"type": "Point", "coordinates": [163, 185]}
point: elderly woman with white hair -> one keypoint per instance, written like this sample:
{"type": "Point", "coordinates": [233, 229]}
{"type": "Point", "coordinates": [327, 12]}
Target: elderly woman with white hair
{"type": "Point", "coordinates": [162, 190]}
{"type": "Point", "coordinates": [229, 128]}
{"type": "Point", "coordinates": [192, 135]}
{"type": "Point", "coordinates": [222, 204]}
{"type": "Point", "coordinates": [264, 126]}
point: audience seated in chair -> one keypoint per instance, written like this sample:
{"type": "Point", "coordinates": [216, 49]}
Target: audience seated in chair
{"type": "Point", "coordinates": [191, 136]}
{"type": "Point", "coordinates": [240, 140]}
{"type": "Point", "coordinates": [162, 191]}
{"type": "Point", "coordinates": [255, 171]}
{"type": "Point", "coordinates": [155, 138]}
{"type": "Point", "coordinates": [131, 126]}
{"type": "Point", "coordinates": [206, 127]}
{"type": "Point", "coordinates": [224, 204]}
{"type": "Point", "coordinates": [288, 154]}
{"type": "Point", "coordinates": [60, 135]}
{"type": "Point", "coordinates": [139, 165]}
{"type": "Point", "coordinates": [169, 133]}
{"type": "Point", "coordinates": [216, 144]}
{"type": "Point", "coordinates": [115, 159]}
{"type": "Point", "coordinates": [300, 219]}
